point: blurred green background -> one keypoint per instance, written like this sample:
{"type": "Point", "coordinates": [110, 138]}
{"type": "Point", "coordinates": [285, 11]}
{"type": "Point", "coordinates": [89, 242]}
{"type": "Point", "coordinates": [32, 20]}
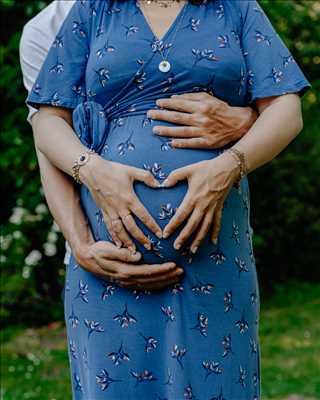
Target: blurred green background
{"type": "Point", "coordinates": [285, 217]}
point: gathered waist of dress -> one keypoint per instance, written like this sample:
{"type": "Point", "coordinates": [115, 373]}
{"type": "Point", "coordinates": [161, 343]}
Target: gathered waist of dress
{"type": "Point", "coordinates": [91, 120]}
{"type": "Point", "coordinates": [137, 106]}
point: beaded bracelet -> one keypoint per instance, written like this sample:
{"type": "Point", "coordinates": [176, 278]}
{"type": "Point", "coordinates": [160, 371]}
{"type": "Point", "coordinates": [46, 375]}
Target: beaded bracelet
{"type": "Point", "coordinates": [239, 156]}
{"type": "Point", "coordinates": [81, 160]}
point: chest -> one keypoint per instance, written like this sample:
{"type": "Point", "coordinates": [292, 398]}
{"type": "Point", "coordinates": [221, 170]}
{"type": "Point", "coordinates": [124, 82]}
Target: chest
{"type": "Point", "coordinates": [202, 44]}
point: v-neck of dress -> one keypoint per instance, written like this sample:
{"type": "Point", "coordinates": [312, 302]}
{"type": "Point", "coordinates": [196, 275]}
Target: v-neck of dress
{"type": "Point", "coordinates": [171, 27]}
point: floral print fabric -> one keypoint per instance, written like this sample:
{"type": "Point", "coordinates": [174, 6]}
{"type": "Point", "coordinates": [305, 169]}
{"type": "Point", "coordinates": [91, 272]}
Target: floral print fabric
{"type": "Point", "coordinates": [197, 339]}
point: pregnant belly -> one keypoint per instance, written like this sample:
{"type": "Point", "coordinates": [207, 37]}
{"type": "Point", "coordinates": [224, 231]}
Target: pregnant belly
{"type": "Point", "coordinates": [135, 144]}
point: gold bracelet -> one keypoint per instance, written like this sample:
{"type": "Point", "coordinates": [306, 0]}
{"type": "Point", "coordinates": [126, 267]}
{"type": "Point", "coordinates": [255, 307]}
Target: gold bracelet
{"type": "Point", "coordinates": [239, 156]}
{"type": "Point", "coordinates": [81, 160]}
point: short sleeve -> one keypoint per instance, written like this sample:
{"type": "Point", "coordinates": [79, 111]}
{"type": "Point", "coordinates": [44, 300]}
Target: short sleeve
{"type": "Point", "coordinates": [61, 79]}
{"type": "Point", "coordinates": [271, 68]}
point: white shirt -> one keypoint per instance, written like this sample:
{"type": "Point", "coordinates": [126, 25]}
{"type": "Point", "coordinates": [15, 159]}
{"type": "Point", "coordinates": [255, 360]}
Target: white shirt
{"type": "Point", "coordinates": [37, 37]}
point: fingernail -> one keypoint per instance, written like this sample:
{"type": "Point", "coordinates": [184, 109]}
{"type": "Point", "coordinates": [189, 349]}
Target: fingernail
{"type": "Point", "coordinates": [164, 183]}
{"type": "Point", "coordinates": [132, 249]}
{"type": "Point", "coordinates": [147, 246]}
{"type": "Point", "coordinates": [165, 235]}
{"type": "Point", "coordinates": [194, 249]}
{"type": "Point", "coordinates": [155, 129]}
{"type": "Point", "coordinates": [177, 246]}
{"type": "Point", "coordinates": [159, 234]}
{"type": "Point", "coordinates": [180, 271]}
{"type": "Point", "coordinates": [215, 241]}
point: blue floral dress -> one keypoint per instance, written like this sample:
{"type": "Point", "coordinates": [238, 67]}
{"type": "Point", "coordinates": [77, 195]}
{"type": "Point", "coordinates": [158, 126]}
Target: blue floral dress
{"type": "Point", "coordinates": [197, 339]}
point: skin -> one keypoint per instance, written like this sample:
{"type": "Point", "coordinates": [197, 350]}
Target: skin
{"type": "Point", "coordinates": [203, 121]}
{"type": "Point", "coordinates": [101, 258]}
{"type": "Point", "coordinates": [213, 123]}
{"type": "Point", "coordinates": [64, 202]}
{"type": "Point", "coordinates": [209, 182]}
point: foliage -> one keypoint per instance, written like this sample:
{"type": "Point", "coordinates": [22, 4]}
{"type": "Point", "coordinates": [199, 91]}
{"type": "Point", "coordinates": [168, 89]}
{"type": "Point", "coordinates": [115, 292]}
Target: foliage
{"type": "Point", "coordinates": [285, 212]}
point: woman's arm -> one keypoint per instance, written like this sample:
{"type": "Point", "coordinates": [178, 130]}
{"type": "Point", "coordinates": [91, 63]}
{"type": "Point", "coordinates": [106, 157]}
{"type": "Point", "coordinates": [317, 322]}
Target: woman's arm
{"type": "Point", "coordinates": [279, 122]}
{"type": "Point", "coordinates": [210, 181]}
{"type": "Point", "coordinates": [110, 183]}
{"type": "Point", "coordinates": [101, 258]}
{"type": "Point", "coordinates": [63, 202]}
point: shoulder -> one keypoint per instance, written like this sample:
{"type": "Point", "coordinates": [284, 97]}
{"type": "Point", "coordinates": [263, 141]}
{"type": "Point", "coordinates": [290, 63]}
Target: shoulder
{"type": "Point", "coordinates": [242, 7]}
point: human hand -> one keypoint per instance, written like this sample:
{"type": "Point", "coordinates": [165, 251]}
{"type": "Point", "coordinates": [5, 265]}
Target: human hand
{"type": "Point", "coordinates": [209, 182]}
{"type": "Point", "coordinates": [111, 186]}
{"type": "Point", "coordinates": [207, 122]}
{"type": "Point", "coordinates": [106, 261]}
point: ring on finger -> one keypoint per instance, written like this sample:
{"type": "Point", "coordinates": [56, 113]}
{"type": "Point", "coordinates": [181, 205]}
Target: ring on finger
{"type": "Point", "coordinates": [118, 219]}
{"type": "Point", "coordinates": [125, 216]}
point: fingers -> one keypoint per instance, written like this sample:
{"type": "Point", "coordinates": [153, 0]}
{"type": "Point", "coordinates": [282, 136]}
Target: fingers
{"type": "Point", "coordinates": [190, 227]}
{"type": "Point", "coordinates": [180, 215]}
{"type": "Point", "coordinates": [204, 228]}
{"type": "Point", "coordinates": [117, 228]}
{"type": "Point", "coordinates": [144, 176]}
{"type": "Point", "coordinates": [150, 270]}
{"type": "Point", "coordinates": [142, 213]}
{"type": "Point", "coordinates": [195, 143]}
{"type": "Point", "coordinates": [132, 271]}
{"type": "Point", "coordinates": [148, 276]}
{"type": "Point", "coordinates": [175, 176]}
{"type": "Point", "coordinates": [196, 96]}
{"type": "Point", "coordinates": [107, 250]}
{"type": "Point", "coordinates": [135, 231]}
{"type": "Point", "coordinates": [157, 279]}
{"type": "Point", "coordinates": [155, 284]}
{"type": "Point", "coordinates": [113, 234]}
{"type": "Point", "coordinates": [177, 131]}
{"type": "Point", "coordinates": [178, 103]}
{"type": "Point", "coordinates": [175, 117]}
{"type": "Point", "coordinates": [217, 223]}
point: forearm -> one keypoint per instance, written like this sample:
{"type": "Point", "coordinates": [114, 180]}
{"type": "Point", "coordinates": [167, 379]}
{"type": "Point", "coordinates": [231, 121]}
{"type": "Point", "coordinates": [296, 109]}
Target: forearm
{"type": "Point", "coordinates": [278, 124]}
{"type": "Point", "coordinates": [64, 204]}
{"type": "Point", "coordinates": [55, 138]}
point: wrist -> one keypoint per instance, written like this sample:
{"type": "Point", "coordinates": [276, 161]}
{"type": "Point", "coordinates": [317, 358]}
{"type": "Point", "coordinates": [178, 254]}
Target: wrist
{"type": "Point", "coordinates": [239, 158]}
{"type": "Point", "coordinates": [86, 171]}
{"type": "Point", "coordinates": [232, 165]}
{"type": "Point", "coordinates": [249, 116]}
{"type": "Point", "coordinates": [81, 249]}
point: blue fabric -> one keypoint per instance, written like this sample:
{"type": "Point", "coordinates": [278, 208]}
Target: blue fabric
{"type": "Point", "coordinates": [197, 339]}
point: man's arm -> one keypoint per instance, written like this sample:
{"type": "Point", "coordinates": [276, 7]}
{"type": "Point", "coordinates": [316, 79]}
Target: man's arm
{"type": "Point", "coordinates": [64, 204]}
{"type": "Point", "coordinates": [59, 190]}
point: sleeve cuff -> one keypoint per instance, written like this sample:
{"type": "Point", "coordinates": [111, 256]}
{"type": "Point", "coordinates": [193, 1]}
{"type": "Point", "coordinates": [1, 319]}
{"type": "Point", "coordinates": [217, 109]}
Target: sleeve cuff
{"type": "Point", "coordinates": [300, 88]}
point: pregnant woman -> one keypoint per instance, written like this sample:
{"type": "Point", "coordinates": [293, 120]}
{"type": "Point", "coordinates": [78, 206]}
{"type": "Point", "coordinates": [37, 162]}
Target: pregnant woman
{"type": "Point", "coordinates": [106, 70]}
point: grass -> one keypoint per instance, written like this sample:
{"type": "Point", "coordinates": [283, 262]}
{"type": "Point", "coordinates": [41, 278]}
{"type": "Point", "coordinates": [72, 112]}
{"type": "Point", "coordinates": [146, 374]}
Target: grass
{"type": "Point", "coordinates": [290, 343]}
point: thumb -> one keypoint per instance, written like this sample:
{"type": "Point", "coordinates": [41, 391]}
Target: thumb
{"type": "Point", "coordinates": [175, 176]}
{"type": "Point", "coordinates": [109, 251]}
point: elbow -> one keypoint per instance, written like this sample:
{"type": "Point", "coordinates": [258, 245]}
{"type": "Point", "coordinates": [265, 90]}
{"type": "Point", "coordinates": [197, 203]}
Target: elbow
{"type": "Point", "coordinates": [298, 121]}
{"type": "Point", "coordinates": [296, 117]}
{"type": "Point", "coordinates": [37, 130]}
